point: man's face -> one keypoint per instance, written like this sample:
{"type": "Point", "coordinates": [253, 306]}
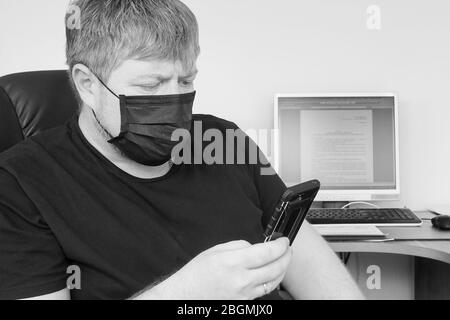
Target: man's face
{"type": "Point", "coordinates": [134, 78]}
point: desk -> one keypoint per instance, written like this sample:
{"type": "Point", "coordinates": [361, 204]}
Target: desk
{"type": "Point", "coordinates": [431, 260]}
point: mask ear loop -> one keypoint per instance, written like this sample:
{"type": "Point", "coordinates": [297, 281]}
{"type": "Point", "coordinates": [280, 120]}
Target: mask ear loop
{"type": "Point", "coordinates": [98, 78]}
{"type": "Point", "coordinates": [123, 110]}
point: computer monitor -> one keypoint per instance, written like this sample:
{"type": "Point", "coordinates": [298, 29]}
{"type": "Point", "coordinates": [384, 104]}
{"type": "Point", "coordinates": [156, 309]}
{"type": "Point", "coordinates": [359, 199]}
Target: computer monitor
{"type": "Point", "coordinates": [347, 141]}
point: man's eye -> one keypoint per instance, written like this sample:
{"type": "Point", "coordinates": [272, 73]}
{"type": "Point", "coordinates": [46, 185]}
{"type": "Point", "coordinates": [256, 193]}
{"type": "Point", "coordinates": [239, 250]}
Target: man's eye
{"type": "Point", "coordinates": [187, 83]}
{"type": "Point", "coordinates": [149, 86]}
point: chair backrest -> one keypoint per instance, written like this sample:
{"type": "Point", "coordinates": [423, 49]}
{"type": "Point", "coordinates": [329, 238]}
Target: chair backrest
{"type": "Point", "coordinates": [32, 102]}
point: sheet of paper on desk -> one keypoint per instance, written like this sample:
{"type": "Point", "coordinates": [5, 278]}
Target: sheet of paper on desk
{"type": "Point", "coordinates": [441, 209]}
{"type": "Point", "coordinates": [348, 230]}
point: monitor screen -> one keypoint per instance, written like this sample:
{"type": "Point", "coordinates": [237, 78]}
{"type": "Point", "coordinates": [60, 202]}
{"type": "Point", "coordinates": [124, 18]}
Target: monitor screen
{"type": "Point", "coordinates": [348, 143]}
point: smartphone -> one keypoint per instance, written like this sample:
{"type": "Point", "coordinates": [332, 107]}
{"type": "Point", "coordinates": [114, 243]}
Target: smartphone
{"type": "Point", "coordinates": [291, 211]}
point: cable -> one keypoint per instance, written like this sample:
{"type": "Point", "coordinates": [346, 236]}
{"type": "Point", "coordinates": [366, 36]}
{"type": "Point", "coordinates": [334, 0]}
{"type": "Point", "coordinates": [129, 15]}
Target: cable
{"type": "Point", "coordinates": [344, 257]}
{"type": "Point", "coordinates": [360, 202]}
{"type": "Point", "coordinates": [357, 266]}
{"type": "Point", "coordinates": [347, 258]}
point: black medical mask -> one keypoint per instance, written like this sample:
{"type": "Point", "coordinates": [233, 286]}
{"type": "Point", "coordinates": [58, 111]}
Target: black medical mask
{"type": "Point", "coordinates": [147, 125]}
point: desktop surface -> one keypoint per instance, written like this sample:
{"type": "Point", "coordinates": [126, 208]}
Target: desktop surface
{"type": "Point", "coordinates": [424, 241]}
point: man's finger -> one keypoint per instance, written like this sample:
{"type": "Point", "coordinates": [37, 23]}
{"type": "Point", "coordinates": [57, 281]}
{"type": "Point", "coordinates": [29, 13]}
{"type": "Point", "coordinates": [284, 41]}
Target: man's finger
{"type": "Point", "coordinates": [273, 270]}
{"type": "Point", "coordinates": [261, 254]}
{"type": "Point", "coordinates": [270, 286]}
{"type": "Point", "coordinates": [232, 245]}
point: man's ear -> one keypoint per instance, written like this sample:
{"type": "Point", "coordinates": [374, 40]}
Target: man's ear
{"type": "Point", "coordinates": [86, 84]}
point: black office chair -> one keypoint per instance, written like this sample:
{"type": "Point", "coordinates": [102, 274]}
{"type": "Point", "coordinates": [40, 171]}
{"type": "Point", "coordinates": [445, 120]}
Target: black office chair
{"type": "Point", "coordinates": [32, 102]}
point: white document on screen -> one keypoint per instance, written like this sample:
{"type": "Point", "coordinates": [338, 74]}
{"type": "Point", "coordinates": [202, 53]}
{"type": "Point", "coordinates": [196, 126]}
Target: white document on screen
{"type": "Point", "coordinates": [337, 146]}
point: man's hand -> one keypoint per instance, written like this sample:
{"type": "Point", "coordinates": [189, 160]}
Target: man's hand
{"type": "Point", "coordinates": [235, 270]}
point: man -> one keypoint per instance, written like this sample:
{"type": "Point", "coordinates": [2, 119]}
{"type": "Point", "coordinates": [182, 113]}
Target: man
{"type": "Point", "coordinates": [102, 192]}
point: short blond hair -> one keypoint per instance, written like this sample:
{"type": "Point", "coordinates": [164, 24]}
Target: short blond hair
{"type": "Point", "coordinates": [111, 31]}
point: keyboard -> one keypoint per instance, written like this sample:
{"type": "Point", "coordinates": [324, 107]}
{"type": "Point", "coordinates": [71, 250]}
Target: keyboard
{"type": "Point", "coordinates": [378, 217]}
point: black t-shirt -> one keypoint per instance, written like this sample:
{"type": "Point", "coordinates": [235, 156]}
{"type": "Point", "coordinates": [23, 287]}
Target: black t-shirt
{"type": "Point", "coordinates": [62, 203]}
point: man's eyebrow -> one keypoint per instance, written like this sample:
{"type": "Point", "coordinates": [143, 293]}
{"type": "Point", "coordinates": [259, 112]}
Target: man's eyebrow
{"type": "Point", "coordinates": [191, 74]}
{"type": "Point", "coordinates": [151, 76]}
{"type": "Point", "coordinates": [163, 76]}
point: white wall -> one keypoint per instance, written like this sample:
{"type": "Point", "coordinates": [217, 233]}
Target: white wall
{"type": "Point", "coordinates": [253, 49]}
{"type": "Point", "coordinates": [32, 35]}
